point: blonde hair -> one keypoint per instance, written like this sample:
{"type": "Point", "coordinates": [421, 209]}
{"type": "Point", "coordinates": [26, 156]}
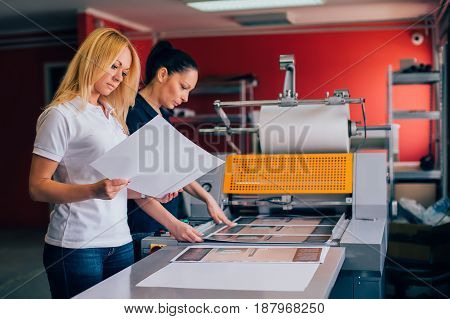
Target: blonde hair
{"type": "Point", "coordinates": [95, 56]}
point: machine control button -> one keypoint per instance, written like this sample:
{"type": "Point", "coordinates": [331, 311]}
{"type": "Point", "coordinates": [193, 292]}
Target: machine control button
{"type": "Point", "coordinates": [207, 187]}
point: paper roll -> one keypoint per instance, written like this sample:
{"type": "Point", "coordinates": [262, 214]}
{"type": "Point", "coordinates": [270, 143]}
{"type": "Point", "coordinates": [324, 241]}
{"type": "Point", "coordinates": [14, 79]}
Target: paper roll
{"type": "Point", "coordinates": [304, 129]}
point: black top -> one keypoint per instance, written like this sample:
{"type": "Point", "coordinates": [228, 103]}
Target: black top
{"type": "Point", "coordinates": [138, 220]}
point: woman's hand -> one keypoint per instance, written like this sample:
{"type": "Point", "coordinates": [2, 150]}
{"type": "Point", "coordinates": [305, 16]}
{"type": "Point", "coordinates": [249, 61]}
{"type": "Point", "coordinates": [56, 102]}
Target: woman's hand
{"type": "Point", "coordinates": [108, 188]}
{"type": "Point", "coordinates": [184, 232]}
{"type": "Point", "coordinates": [168, 197]}
{"type": "Point", "coordinates": [217, 214]}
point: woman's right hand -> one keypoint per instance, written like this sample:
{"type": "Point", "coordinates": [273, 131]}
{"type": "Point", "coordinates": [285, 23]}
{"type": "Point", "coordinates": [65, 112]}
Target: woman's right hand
{"type": "Point", "coordinates": [108, 188]}
{"type": "Point", "coordinates": [184, 232]}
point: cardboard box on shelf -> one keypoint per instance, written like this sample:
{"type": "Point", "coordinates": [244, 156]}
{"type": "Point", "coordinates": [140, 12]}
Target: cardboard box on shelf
{"type": "Point", "coordinates": [423, 193]}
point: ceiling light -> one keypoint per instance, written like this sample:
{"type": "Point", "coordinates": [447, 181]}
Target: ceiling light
{"type": "Point", "coordinates": [236, 5]}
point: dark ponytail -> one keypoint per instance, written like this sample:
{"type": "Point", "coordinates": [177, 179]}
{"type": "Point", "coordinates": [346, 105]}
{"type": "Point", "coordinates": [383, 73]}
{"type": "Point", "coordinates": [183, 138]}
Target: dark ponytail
{"type": "Point", "coordinates": [165, 55]}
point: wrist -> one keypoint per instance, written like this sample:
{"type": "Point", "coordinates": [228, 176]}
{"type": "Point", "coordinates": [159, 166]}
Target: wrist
{"type": "Point", "coordinates": [171, 222]}
{"type": "Point", "coordinates": [90, 191]}
{"type": "Point", "coordinates": [210, 201]}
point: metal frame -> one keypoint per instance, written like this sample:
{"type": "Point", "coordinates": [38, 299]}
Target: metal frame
{"type": "Point", "coordinates": [444, 126]}
{"type": "Point", "coordinates": [48, 67]}
{"type": "Point", "coordinates": [437, 113]}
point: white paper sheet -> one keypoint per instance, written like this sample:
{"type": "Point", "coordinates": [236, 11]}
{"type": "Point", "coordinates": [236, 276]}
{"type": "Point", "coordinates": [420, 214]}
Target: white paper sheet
{"type": "Point", "coordinates": [304, 129]}
{"type": "Point", "coordinates": [233, 276]}
{"type": "Point", "coordinates": [157, 159]}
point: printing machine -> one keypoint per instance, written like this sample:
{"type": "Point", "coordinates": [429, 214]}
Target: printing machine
{"type": "Point", "coordinates": [361, 229]}
{"type": "Point", "coordinates": [351, 187]}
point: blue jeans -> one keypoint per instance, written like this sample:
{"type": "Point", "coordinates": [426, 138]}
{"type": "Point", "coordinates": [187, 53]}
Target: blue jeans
{"type": "Point", "coordinates": [71, 271]}
{"type": "Point", "coordinates": [137, 239]}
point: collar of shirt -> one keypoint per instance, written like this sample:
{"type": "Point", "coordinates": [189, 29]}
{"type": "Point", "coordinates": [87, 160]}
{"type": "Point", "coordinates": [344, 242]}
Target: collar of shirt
{"type": "Point", "coordinates": [149, 110]}
{"type": "Point", "coordinates": [109, 118]}
{"type": "Point", "coordinates": [109, 109]}
{"type": "Point", "coordinates": [146, 107]}
{"type": "Point", "coordinates": [78, 102]}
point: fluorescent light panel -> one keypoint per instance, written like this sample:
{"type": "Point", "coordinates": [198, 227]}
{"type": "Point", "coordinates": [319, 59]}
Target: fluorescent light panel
{"type": "Point", "coordinates": [236, 5]}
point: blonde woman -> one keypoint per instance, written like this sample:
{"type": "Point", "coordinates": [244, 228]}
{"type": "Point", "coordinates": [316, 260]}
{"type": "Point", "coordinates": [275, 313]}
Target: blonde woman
{"type": "Point", "coordinates": [88, 238]}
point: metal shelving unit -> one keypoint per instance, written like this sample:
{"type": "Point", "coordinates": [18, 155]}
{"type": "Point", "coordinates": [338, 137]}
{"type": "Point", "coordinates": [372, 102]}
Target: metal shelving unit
{"type": "Point", "coordinates": [240, 85]}
{"type": "Point", "coordinates": [417, 176]}
{"type": "Point", "coordinates": [405, 115]}
{"type": "Point", "coordinates": [415, 78]}
{"type": "Point", "coordinates": [433, 79]}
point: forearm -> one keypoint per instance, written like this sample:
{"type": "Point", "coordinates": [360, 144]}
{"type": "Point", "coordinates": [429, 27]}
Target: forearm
{"type": "Point", "coordinates": [50, 191]}
{"type": "Point", "coordinates": [133, 194]}
{"type": "Point", "coordinates": [179, 230]}
{"type": "Point", "coordinates": [196, 190]}
{"type": "Point", "coordinates": [213, 207]}
{"type": "Point", "coordinates": [154, 209]}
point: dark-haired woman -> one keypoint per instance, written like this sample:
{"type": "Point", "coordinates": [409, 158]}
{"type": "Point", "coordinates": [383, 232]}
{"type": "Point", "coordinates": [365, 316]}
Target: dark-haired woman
{"type": "Point", "coordinates": [169, 77]}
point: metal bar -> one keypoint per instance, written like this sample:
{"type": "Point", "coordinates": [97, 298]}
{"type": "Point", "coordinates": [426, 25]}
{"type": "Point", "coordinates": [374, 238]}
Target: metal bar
{"type": "Point", "coordinates": [404, 115]}
{"type": "Point", "coordinates": [417, 175]}
{"type": "Point", "coordinates": [222, 114]}
{"type": "Point", "coordinates": [415, 78]}
{"type": "Point", "coordinates": [222, 130]}
{"type": "Point", "coordinates": [278, 102]}
{"type": "Point", "coordinates": [247, 103]}
{"type": "Point", "coordinates": [231, 144]}
{"type": "Point", "coordinates": [243, 95]}
{"type": "Point", "coordinates": [253, 138]}
{"type": "Point", "coordinates": [444, 122]}
{"type": "Point", "coordinates": [391, 143]}
{"type": "Point", "coordinates": [294, 203]}
{"type": "Point", "coordinates": [374, 128]}
{"type": "Point", "coordinates": [439, 129]}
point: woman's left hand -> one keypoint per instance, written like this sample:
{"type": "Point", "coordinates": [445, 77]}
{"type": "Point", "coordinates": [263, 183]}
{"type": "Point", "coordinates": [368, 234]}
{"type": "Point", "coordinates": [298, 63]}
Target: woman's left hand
{"type": "Point", "coordinates": [218, 215]}
{"type": "Point", "coordinates": [168, 197]}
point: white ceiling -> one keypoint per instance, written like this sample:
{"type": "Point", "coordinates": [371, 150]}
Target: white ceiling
{"type": "Point", "coordinates": [172, 18]}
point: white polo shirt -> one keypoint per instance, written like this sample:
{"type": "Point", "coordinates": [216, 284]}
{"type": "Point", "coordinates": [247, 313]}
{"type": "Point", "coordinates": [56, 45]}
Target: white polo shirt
{"type": "Point", "coordinates": [75, 137]}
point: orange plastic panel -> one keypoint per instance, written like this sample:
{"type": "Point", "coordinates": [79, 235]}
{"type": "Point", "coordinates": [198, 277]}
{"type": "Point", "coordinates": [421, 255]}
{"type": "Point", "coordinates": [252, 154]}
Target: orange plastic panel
{"type": "Point", "coordinates": [289, 174]}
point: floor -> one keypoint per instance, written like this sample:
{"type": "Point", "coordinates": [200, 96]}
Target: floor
{"type": "Point", "coordinates": [22, 274]}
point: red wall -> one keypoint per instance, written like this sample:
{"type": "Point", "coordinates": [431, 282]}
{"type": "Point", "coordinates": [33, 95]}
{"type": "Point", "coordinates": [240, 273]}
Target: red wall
{"type": "Point", "coordinates": [23, 96]}
{"type": "Point", "coordinates": [324, 62]}
{"type": "Point", "coordinates": [87, 24]}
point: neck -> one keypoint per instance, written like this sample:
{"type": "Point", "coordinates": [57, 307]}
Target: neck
{"type": "Point", "coordinates": [150, 95]}
{"type": "Point", "coordinates": [94, 98]}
